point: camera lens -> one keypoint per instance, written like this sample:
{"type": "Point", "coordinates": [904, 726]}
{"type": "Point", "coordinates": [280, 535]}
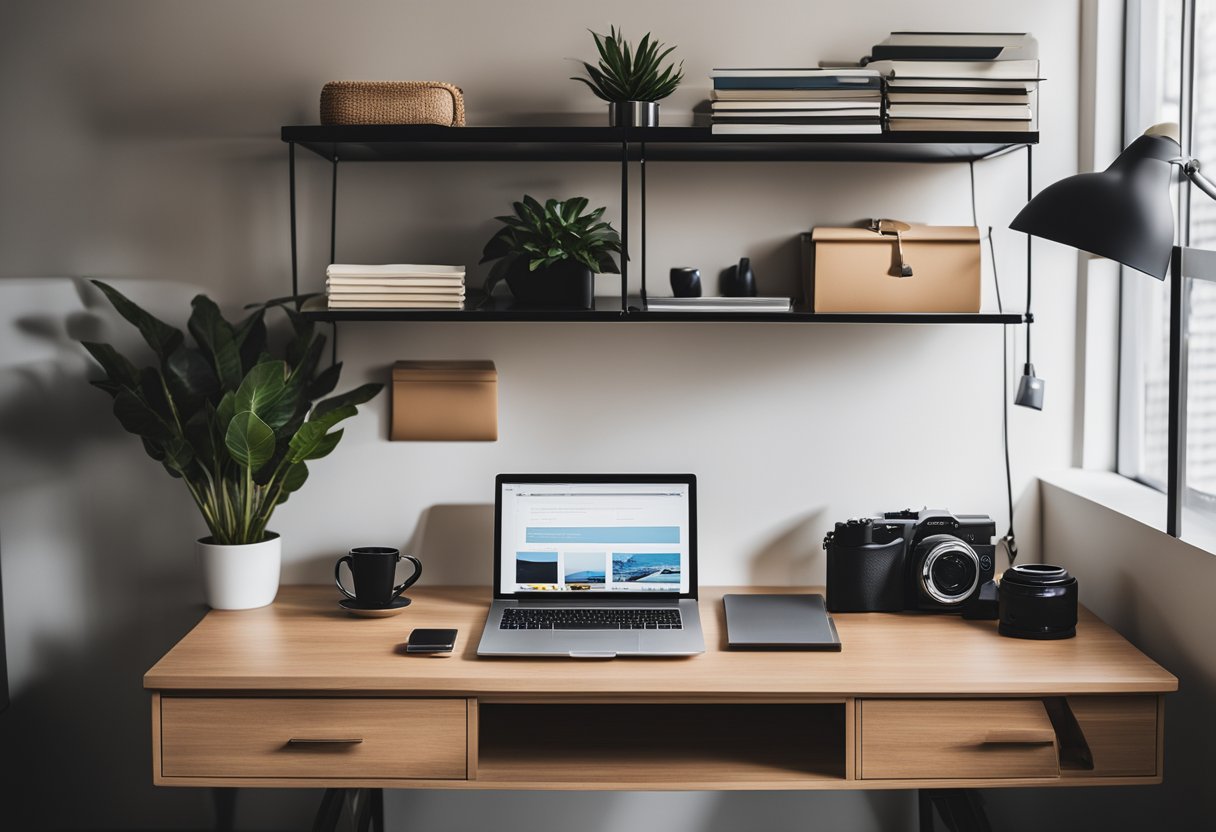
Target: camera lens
{"type": "Point", "coordinates": [950, 572]}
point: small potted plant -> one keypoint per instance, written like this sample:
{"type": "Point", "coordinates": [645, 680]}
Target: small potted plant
{"type": "Point", "coordinates": [632, 81]}
{"type": "Point", "coordinates": [549, 254]}
{"type": "Point", "coordinates": [234, 419]}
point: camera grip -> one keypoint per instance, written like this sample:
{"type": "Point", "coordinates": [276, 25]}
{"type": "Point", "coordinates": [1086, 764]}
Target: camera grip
{"type": "Point", "coordinates": [866, 578]}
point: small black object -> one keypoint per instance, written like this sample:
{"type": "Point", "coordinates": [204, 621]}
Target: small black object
{"type": "Point", "coordinates": [1030, 389]}
{"type": "Point", "coordinates": [686, 282]}
{"type": "Point", "coordinates": [985, 606]}
{"type": "Point", "coordinates": [740, 281]}
{"type": "Point", "coordinates": [373, 569]}
{"type": "Point", "coordinates": [930, 560]}
{"type": "Point", "coordinates": [431, 641]}
{"type": "Point", "coordinates": [1038, 601]}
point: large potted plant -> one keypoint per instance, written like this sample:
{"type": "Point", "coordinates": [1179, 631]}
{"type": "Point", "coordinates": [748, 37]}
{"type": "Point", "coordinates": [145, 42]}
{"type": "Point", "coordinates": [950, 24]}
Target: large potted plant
{"type": "Point", "coordinates": [232, 417]}
{"type": "Point", "coordinates": [632, 81]}
{"type": "Point", "coordinates": [549, 254]}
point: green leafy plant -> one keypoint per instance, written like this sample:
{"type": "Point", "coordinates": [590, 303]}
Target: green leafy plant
{"type": "Point", "coordinates": [234, 422]}
{"type": "Point", "coordinates": [546, 234]}
{"type": "Point", "coordinates": [628, 74]}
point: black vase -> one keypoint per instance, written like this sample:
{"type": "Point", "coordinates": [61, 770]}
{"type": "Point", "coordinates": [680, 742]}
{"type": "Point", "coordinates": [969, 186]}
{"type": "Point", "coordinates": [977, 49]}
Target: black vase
{"type": "Point", "coordinates": [739, 281]}
{"type": "Point", "coordinates": [566, 284]}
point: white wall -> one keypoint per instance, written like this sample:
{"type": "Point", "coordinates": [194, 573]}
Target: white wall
{"type": "Point", "coordinates": [140, 144]}
{"type": "Point", "coordinates": [1156, 591]}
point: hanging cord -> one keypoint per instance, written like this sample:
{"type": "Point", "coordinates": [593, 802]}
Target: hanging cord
{"type": "Point", "coordinates": [1008, 541]}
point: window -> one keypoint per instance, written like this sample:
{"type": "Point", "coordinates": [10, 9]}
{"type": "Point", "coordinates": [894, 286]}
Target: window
{"type": "Point", "coordinates": [1170, 75]}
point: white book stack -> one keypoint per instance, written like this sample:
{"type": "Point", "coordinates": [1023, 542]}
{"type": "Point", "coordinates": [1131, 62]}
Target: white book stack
{"type": "Point", "coordinates": [394, 286]}
{"type": "Point", "coordinates": [959, 81]}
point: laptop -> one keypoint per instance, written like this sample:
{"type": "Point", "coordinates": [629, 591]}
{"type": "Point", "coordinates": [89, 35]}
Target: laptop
{"type": "Point", "coordinates": [594, 566]}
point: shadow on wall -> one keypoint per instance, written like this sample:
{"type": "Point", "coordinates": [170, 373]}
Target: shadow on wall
{"type": "Point", "coordinates": [787, 558]}
{"type": "Point", "coordinates": [99, 573]}
{"type": "Point", "coordinates": [455, 543]}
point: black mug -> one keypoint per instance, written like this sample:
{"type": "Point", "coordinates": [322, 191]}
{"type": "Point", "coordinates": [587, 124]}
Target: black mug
{"type": "Point", "coordinates": [374, 570]}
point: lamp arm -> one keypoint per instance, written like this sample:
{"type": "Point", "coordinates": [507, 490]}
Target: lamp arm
{"type": "Point", "coordinates": [1190, 167]}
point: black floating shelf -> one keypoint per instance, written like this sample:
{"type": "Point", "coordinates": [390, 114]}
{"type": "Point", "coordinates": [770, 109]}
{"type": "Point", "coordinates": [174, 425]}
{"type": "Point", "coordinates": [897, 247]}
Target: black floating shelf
{"type": "Point", "coordinates": [609, 309]}
{"type": "Point", "coordinates": [398, 143]}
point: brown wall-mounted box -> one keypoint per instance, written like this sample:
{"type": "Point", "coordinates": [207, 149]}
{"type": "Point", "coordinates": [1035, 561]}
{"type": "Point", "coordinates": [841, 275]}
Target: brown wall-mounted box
{"type": "Point", "coordinates": [445, 401]}
{"type": "Point", "coordinates": [850, 270]}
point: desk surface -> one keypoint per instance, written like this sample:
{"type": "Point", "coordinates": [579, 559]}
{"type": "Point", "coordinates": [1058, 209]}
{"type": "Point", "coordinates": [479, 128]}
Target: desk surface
{"type": "Point", "coordinates": [304, 642]}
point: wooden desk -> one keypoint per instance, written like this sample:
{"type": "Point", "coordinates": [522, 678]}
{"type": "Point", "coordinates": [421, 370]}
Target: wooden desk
{"type": "Point", "coordinates": [301, 694]}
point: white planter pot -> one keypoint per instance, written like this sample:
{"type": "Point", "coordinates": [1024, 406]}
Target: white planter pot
{"type": "Point", "coordinates": [240, 577]}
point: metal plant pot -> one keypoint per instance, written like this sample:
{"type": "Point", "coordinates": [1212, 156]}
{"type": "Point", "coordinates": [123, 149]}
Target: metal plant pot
{"type": "Point", "coordinates": [633, 113]}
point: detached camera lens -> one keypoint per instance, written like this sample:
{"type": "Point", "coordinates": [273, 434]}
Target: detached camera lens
{"type": "Point", "coordinates": [951, 572]}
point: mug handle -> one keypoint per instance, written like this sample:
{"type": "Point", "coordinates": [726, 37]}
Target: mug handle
{"type": "Point", "coordinates": [409, 582]}
{"type": "Point", "coordinates": [338, 577]}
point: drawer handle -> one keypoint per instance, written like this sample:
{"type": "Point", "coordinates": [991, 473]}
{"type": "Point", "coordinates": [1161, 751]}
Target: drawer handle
{"type": "Point", "coordinates": [1020, 736]}
{"type": "Point", "coordinates": [325, 740]}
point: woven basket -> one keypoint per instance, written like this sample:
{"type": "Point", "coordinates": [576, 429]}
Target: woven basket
{"type": "Point", "coordinates": [392, 102]}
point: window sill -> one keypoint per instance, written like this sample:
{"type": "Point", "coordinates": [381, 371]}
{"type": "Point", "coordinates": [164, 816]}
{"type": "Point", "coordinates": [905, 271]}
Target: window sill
{"type": "Point", "coordinates": [1133, 500]}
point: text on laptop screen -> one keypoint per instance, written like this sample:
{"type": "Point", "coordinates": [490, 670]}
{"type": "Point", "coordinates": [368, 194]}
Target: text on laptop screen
{"type": "Point", "coordinates": [594, 537]}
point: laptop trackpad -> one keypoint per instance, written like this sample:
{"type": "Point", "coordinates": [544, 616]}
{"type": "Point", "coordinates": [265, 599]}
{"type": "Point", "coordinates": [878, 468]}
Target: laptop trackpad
{"type": "Point", "coordinates": [591, 643]}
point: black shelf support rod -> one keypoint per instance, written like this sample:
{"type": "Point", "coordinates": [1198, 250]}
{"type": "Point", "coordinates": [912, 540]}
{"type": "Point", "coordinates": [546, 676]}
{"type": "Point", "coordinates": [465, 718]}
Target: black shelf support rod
{"type": "Point", "coordinates": [624, 227]}
{"type": "Point", "coordinates": [642, 168]}
{"type": "Point", "coordinates": [291, 176]}
{"type": "Point", "coordinates": [333, 214]}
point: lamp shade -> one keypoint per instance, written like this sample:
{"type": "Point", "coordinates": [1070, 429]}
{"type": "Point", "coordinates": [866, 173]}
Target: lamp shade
{"type": "Point", "coordinates": [1123, 213]}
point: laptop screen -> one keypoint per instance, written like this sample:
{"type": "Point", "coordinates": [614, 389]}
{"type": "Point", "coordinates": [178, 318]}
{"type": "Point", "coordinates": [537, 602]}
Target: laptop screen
{"type": "Point", "coordinates": [602, 535]}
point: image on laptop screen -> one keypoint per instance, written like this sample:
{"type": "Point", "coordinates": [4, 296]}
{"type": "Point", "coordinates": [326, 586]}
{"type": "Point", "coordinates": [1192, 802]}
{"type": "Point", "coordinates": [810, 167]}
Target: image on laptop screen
{"type": "Point", "coordinates": [617, 537]}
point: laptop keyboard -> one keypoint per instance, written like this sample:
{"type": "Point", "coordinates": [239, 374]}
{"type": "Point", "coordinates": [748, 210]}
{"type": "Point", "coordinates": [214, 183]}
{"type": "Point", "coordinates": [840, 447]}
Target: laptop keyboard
{"type": "Point", "coordinates": [517, 618]}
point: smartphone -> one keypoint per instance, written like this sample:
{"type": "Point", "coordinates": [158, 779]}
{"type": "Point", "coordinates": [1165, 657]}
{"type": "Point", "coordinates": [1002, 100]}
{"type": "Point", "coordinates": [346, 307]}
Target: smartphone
{"type": "Point", "coordinates": [431, 641]}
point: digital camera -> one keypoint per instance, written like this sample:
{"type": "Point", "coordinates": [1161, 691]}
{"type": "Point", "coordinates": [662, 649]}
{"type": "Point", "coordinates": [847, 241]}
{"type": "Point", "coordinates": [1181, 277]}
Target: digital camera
{"type": "Point", "coordinates": [929, 560]}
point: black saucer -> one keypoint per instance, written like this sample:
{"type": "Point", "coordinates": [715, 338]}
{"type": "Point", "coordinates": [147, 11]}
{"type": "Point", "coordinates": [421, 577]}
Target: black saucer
{"type": "Point", "coordinates": [368, 611]}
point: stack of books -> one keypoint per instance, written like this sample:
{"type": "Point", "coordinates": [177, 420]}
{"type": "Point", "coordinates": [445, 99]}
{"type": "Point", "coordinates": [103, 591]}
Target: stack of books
{"type": "Point", "coordinates": [796, 101]}
{"type": "Point", "coordinates": [394, 286]}
{"type": "Point", "coordinates": [959, 81]}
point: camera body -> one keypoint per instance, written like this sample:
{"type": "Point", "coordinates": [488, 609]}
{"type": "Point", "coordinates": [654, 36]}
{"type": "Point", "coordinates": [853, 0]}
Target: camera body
{"type": "Point", "coordinates": [929, 560]}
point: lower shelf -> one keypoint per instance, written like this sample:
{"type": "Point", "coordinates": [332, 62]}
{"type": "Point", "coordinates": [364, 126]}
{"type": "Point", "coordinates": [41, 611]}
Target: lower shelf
{"type": "Point", "coordinates": [609, 309]}
{"type": "Point", "coordinates": [666, 746]}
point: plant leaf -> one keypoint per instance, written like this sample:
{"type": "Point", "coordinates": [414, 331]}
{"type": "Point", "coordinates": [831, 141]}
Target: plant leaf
{"type": "Point", "coordinates": [137, 417]}
{"type": "Point", "coordinates": [118, 369]}
{"type": "Point", "coordinates": [309, 439]}
{"type": "Point", "coordinates": [361, 394]}
{"type": "Point", "coordinates": [217, 338]}
{"type": "Point", "coordinates": [262, 388]}
{"type": "Point", "coordinates": [250, 441]}
{"type": "Point", "coordinates": [190, 378]}
{"type": "Point", "coordinates": [324, 383]}
{"type": "Point", "coordinates": [162, 338]}
{"type": "Point", "coordinates": [293, 479]}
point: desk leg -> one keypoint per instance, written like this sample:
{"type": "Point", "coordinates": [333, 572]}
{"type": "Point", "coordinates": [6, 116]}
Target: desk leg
{"type": "Point", "coordinates": [224, 803]}
{"type": "Point", "coordinates": [330, 810]}
{"type": "Point", "coordinates": [959, 809]}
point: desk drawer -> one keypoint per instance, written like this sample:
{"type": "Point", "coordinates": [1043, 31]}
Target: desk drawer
{"type": "Point", "coordinates": [957, 738]}
{"type": "Point", "coordinates": [322, 738]}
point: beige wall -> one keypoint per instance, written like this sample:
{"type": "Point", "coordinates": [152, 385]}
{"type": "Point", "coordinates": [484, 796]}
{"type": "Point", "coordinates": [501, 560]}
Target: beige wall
{"type": "Point", "coordinates": [139, 143]}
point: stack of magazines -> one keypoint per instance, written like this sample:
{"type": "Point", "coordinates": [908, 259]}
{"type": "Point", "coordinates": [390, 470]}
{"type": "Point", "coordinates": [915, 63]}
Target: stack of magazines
{"type": "Point", "coordinates": [796, 101]}
{"type": "Point", "coordinates": [959, 81]}
{"type": "Point", "coordinates": [394, 286]}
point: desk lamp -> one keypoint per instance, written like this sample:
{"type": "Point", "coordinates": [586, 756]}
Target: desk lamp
{"type": "Point", "coordinates": [1125, 214]}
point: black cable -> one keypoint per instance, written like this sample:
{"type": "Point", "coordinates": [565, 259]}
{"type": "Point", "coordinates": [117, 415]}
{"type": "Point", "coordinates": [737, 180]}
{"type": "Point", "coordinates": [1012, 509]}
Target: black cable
{"type": "Point", "coordinates": [1010, 541]}
{"type": "Point", "coordinates": [1029, 316]}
